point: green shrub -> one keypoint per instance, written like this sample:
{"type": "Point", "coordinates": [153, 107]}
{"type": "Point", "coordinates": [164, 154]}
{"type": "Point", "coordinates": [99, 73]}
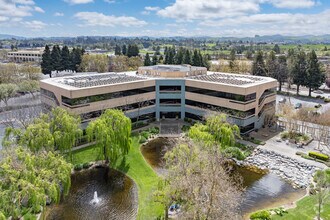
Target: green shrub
{"type": "Point", "coordinates": [280, 211]}
{"type": "Point", "coordinates": [326, 100]}
{"type": "Point", "coordinates": [87, 165]}
{"type": "Point", "coordinates": [185, 128]}
{"type": "Point", "coordinates": [29, 216]}
{"type": "Point", "coordinates": [319, 156]}
{"type": "Point", "coordinates": [305, 156]}
{"type": "Point", "coordinates": [260, 215]}
{"type": "Point", "coordinates": [235, 153]}
{"type": "Point", "coordinates": [78, 167]}
{"type": "Point", "coordinates": [2, 216]}
{"type": "Point", "coordinates": [145, 134]}
{"type": "Point", "coordinates": [285, 135]}
{"type": "Point", "coordinates": [142, 140]}
{"type": "Point", "coordinates": [154, 130]}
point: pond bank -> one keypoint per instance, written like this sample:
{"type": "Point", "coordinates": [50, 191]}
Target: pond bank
{"type": "Point", "coordinates": [296, 172]}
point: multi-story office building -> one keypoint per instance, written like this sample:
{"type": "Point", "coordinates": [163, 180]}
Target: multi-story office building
{"type": "Point", "coordinates": [163, 92]}
{"type": "Point", "coordinates": [25, 56]}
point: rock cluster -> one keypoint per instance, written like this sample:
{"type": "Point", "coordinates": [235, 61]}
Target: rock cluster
{"type": "Point", "coordinates": [297, 173]}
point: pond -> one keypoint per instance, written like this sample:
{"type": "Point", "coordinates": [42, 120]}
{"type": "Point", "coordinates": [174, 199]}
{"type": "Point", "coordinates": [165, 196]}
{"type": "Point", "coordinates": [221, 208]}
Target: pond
{"type": "Point", "coordinates": [261, 190]}
{"type": "Point", "coordinates": [117, 196]}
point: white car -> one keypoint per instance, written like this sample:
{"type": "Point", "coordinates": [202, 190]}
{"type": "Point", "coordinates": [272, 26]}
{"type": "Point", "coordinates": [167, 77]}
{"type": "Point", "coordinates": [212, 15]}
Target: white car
{"type": "Point", "coordinates": [282, 100]}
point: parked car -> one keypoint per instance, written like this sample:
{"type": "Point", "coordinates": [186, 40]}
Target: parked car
{"type": "Point", "coordinates": [297, 105]}
{"type": "Point", "coordinates": [282, 100]}
{"type": "Point", "coordinates": [318, 92]}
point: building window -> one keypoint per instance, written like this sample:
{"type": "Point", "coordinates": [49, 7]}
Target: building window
{"type": "Point", "coordinates": [237, 97]}
{"type": "Point", "coordinates": [228, 111]}
{"type": "Point", "coordinates": [107, 96]}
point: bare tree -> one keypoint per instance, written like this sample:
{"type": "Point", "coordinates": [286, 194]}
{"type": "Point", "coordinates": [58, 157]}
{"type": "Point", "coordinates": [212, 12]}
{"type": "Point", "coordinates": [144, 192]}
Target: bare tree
{"type": "Point", "coordinates": [199, 181]}
{"type": "Point", "coordinates": [22, 117]}
{"type": "Point", "coordinates": [322, 188]}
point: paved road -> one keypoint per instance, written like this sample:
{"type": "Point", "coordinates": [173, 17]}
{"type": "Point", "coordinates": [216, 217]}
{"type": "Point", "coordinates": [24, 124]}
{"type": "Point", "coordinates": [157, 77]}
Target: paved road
{"type": "Point", "coordinates": [306, 102]}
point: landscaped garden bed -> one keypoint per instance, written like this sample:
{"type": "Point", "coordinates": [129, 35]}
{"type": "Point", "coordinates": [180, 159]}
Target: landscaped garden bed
{"type": "Point", "coordinates": [296, 137]}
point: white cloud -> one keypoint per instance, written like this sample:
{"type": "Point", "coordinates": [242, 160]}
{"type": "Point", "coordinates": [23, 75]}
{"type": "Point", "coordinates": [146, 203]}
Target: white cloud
{"type": "Point", "coordinates": [13, 11]}
{"type": "Point", "coordinates": [77, 2]}
{"type": "Point", "coordinates": [34, 25]}
{"type": "Point", "coordinates": [149, 8]}
{"type": "Point", "coordinates": [58, 14]}
{"type": "Point", "coordinates": [291, 4]}
{"type": "Point", "coordinates": [109, 1]}
{"type": "Point", "coordinates": [187, 10]}
{"type": "Point", "coordinates": [100, 19]}
{"type": "Point", "coordinates": [280, 23]}
{"type": "Point", "coordinates": [195, 9]}
{"type": "Point", "coordinates": [38, 9]}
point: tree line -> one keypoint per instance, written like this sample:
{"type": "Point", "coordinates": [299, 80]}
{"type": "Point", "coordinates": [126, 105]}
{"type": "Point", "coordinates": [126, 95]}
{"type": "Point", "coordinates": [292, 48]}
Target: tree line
{"type": "Point", "coordinates": [15, 79]}
{"type": "Point", "coordinates": [178, 57]}
{"type": "Point", "coordinates": [132, 50]}
{"type": "Point", "coordinates": [59, 59]}
{"type": "Point", "coordinates": [296, 67]}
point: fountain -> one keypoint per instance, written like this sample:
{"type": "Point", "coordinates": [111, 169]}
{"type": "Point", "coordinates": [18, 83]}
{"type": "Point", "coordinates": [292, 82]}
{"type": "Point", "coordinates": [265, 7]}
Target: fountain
{"type": "Point", "coordinates": [95, 199]}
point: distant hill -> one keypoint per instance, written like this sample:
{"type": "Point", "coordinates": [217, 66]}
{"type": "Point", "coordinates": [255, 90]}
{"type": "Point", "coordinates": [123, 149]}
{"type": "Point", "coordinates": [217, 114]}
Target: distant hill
{"type": "Point", "coordinates": [8, 36]}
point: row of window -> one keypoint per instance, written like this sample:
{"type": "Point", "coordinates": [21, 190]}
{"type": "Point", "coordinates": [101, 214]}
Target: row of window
{"type": "Point", "coordinates": [228, 111]}
{"type": "Point", "coordinates": [137, 105]}
{"type": "Point", "coordinates": [242, 98]}
{"type": "Point", "coordinates": [107, 96]}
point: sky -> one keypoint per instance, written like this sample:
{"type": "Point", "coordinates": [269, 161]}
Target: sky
{"type": "Point", "coordinates": [164, 18]}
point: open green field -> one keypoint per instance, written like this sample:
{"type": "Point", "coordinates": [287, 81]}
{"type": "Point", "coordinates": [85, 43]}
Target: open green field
{"type": "Point", "coordinates": [134, 166]}
{"type": "Point", "coordinates": [305, 210]}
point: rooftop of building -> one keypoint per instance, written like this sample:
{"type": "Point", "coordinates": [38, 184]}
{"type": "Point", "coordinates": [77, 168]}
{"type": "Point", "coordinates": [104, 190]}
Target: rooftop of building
{"type": "Point", "coordinates": [86, 80]}
{"type": "Point", "coordinates": [173, 68]}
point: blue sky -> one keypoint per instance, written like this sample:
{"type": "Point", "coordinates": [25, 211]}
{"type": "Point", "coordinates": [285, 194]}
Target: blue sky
{"type": "Point", "coordinates": [31, 18]}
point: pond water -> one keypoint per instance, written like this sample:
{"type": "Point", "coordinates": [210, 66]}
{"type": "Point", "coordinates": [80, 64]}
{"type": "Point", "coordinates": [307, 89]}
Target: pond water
{"type": "Point", "coordinates": [117, 196]}
{"type": "Point", "coordinates": [261, 190]}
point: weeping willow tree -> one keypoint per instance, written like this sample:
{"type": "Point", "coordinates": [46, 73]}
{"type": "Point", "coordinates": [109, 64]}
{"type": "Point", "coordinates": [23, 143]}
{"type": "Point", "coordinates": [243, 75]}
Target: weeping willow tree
{"type": "Point", "coordinates": [57, 131]}
{"type": "Point", "coordinates": [200, 132]}
{"type": "Point", "coordinates": [217, 131]}
{"type": "Point", "coordinates": [111, 132]}
{"type": "Point", "coordinates": [65, 129]}
{"type": "Point", "coordinates": [29, 179]}
{"type": "Point", "coordinates": [223, 132]}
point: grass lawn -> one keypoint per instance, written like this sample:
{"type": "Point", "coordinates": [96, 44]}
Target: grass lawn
{"type": "Point", "coordinates": [136, 168]}
{"type": "Point", "coordinates": [306, 210]}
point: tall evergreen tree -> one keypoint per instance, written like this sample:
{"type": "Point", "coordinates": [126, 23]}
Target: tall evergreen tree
{"type": "Point", "coordinates": [124, 50]}
{"type": "Point", "coordinates": [76, 56]}
{"type": "Point", "coordinates": [117, 50]}
{"type": "Point", "coordinates": [187, 57]}
{"type": "Point", "coordinates": [258, 66]}
{"type": "Point", "coordinates": [196, 59]}
{"type": "Point", "coordinates": [277, 49]}
{"type": "Point", "coordinates": [178, 59]}
{"type": "Point", "coordinates": [147, 61]}
{"type": "Point", "coordinates": [56, 58]}
{"type": "Point", "coordinates": [315, 75]}
{"type": "Point", "coordinates": [65, 58]}
{"type": "Point", "coordinates": [46, 63]}
{"type": "Point", "coordinates": [281, 73]}
{"type": "Point", "coordinates": [232, 58]}
{"type": "Point", "coordinates": [271, 64]}
{"type": "Point", "coordinates": [154, 59]}
{"type": "Point", "coordinates": [298, 70]}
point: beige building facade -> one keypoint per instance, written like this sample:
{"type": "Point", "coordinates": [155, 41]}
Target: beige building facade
{"type": "Point", "coordinates": [247, 100]}
{"type": "Point", "coordinates": [25, 56]}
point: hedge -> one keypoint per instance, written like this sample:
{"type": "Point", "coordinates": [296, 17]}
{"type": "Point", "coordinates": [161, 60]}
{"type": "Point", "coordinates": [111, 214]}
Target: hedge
{"type": "Point", "coordinates": [260, 215]}
{"type": "Point", "coordinates": [318, 156]}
